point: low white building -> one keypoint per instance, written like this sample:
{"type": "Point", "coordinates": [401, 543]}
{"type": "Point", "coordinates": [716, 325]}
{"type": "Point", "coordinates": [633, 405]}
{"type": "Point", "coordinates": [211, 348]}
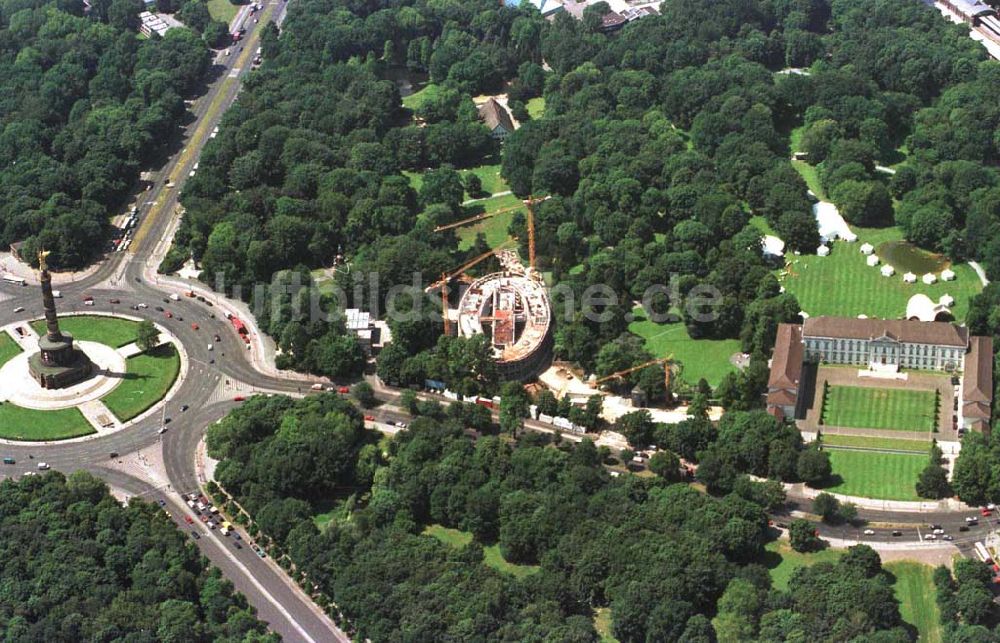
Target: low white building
{"type": "Point", "coordinates": [158, 23]}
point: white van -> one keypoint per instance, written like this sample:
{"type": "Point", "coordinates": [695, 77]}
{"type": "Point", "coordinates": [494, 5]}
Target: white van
{"type": "Point", "coordinates": [43, 466]}
{"type": "Point", "coordinates": [175, 296]}
{"type": "Point", "coordinates": [317, 387]}
{"type": "Point", "coordinates": [57, 294]}
{"type": "Point", "coordinates": [211, 347]}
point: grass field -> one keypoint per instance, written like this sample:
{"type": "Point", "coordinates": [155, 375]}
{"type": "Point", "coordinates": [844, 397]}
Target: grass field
{"type": "Point", "coordinates": [782, 561]}
{"type": "Point", "coordinates": [495, 228]}
{"type": "Point", "coordinates": [862, 442]}
{"type": "Point", "coordinates": [491, 554]}
{"type": "Point", "coordinates": [19, 423]}
{"type": "Point", "coordinates": [602, 623]}
{"type": "Point", "coordinates": [708, 358]}
{"type": "Point", "coordinates": [879, 408]}
{"type": "Point", "coordinates": [8, 348]}
{"type": "Point", "coordinates": [416, 99]}
{"type": "Point", "coordinates": [111, 331]}
{"type": "Point", "coordinates": [762, 224]}
{"type": "Point", "coordinates": [536, 107]}
{"type": "Point", "coordinates": [488, 173]}
{"type": "Point", "coordinates": [222, 10]}
{"type": "Point", "coordinates": [490, 177]}
{"type": "Point", "coordinates": [914, 588]}
{"type": "Point", "coordinates": [149, 377]}
{"type": "Point", "coordinates": [843, 284]}
{"type": "Point", "coordinates": [870, 474]}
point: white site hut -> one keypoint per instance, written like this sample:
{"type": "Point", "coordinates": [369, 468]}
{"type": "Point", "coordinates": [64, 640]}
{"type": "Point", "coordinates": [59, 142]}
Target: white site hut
{"type": "Point", "coordinates": [888, 271]}
{"type": "Point", "coordinates": [823, 251]}
{"type": "Point", "coordinates": [929, 278]}
{"type": "Point", "coordinates": [872, 260]}
{"type": "Point", "coordinates": [867, 248]}
{"type": "Point", "coordinates": [910, 278]}
{"type": "Point", "coordinates": [947, 274]}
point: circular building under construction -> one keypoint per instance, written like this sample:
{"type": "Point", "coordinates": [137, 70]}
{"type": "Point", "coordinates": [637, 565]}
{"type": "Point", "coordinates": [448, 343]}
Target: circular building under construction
{"type": "Point", "coordinates": [512, 308]}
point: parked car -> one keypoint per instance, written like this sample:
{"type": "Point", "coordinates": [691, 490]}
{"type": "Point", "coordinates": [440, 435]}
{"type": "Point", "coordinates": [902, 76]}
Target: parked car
{"type": "Point", "coordinates": [964, 528]}
{"type": "Point", "coordinates": [239, 398]}
{"type": "Point", "coordinates": [237, 545]}
{"type": "Point", "coordinates": [194, 534]}
{"type": "Point", "coordinates": [930, 537]}
{"type": "Point", "coordinates": [948, 537]}
{"type": "Point", "coordinates": [189, 520]}
{"type": "Point", "coordinates": [869, 532]}
{"type": "Point", "coordinates": [115, 301]}
{"type": "Point", "coordinates": [897, 533]}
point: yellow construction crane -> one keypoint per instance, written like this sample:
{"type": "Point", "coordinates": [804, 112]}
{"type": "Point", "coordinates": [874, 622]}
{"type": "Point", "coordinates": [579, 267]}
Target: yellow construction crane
{"type": "Point", "coordinates": [476, 218]}
{"type": "Point", "coordinates": [448, 276]}
{"type": "Point", "coordinates": [666, 361]}
{"type": "Point", "coordinates": [530, 203]}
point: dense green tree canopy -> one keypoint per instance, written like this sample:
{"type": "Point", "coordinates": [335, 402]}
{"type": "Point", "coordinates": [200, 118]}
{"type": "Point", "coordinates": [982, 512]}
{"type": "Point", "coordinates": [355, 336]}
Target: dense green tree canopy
{"type": "Point", "coordinates": [78, 566]}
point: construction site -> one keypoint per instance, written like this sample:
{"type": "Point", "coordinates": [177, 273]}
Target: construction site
{"type": "Point", "coordinates": [510, 306]}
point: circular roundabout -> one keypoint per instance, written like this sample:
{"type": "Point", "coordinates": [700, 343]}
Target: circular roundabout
{"type": "Point", "coordinates": [118, 384]}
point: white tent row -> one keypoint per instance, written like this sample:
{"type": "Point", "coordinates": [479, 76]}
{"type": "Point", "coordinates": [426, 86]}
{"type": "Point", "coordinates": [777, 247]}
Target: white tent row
{"type": "Point", "coordinates": [929, 278]}
{"type": "Point", "coordinates": [867, 248]}
{"type": "Point", "coordinates": [888, 271]}
{"type": "Point", "coordinates": [872, 260]}
{"type": "Point", "coordinates": [910, 278]}
{"type": "Point", "coordinates": [947, 274]}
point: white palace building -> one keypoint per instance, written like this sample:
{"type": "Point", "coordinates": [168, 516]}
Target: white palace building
{"type": "Point", "coordinates": [884, 346]}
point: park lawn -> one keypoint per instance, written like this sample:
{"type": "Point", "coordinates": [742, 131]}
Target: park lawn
{"type": "Point", "coordinates": [148, 378]}
{"type": "Point", "coordinates": [762, 225]}
{"type": "Point", "coordinates": [914, 587]}
{"type": "Point", "coordinates": [886, 444]}
{"type": "Point", "coordinates": [494, 228]}
{"type": "Point", "coordinates": [416, 99]}
{"type": "Point", "coordinates": [536, 107]}
{"type": "Point", "coordinates": [811, 176]}
{"type": "Point", "coordinates": [491, 554]}
{"type": "Point", "coordinates": [782, 561]}
{"type": "Point", "coordinates": [489, 176]}
{"type": "Point", "coordinates": [602, 623]}
{"type": "Point", "coordinates": [9, 349]}
{"type": "Point", "coordinates": [842, 284]}
{"type": "Point", "coordinates": [111, 331]}
{"type": "Point", "coordinates": [488, 173]}
{"type": "Point", "coordinates": [870, 474]}
{"type": "Point", "coordinates": [416, 179]}
{"type": "Point", "coordinates": [222, 10]}
{"type": "Point", "coordinates": [19, 423]}
{"type": "Point", "coordinates": [879, 408]}
{"type": "Point", "coordinates": [701, 358]}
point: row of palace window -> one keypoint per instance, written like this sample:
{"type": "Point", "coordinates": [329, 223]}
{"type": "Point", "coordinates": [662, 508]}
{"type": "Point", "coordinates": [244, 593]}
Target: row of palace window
{"type": "Point", "coordinates": [859, 351]}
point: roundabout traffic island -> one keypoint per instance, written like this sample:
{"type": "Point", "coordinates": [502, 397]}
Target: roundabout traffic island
{"type": "Point", "coordinates": [72, 389]}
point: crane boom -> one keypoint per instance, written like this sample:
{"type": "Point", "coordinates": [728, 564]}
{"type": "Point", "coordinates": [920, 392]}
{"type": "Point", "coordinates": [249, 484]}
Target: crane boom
{"type": "Point", "coordinates": [666, 361]}
{"type": "Point", "coordinates": [476, 218]}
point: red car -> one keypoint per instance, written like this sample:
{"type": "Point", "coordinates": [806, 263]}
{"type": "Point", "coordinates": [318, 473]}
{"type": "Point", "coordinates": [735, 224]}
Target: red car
{"type": "Point", "coordinates": [194, 326]}
{"type": "Point", "coordinates": [203, 518]}
{"type": "Point", "coordinates": [169, 315]}
{"type": "Point", "coordinates": [188, 520]}
{"type": "Point", "coordinates": [369, 418]}
{"type": "Point", "coordinates": [239, 398]}
{"type": "Point", "coordinates": [984, 511]}
{"type": "Point", "coordinates": [343, 390]}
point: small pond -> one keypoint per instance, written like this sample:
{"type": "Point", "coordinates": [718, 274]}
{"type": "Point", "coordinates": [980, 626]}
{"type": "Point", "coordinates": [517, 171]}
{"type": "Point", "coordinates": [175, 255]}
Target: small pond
{"type": "Point", "coordinates": [906, 257]}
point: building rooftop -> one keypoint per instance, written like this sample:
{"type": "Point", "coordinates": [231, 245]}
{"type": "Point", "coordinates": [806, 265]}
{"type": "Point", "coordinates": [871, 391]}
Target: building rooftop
{"type": "Point", "coordinates": [977, 385]}
{"type": "Point", "coordinates": [786, 365]}
{"type": "Point", "coordinates": [495, 115]}
{"type": "Point", "coordinates": [902, 330]}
